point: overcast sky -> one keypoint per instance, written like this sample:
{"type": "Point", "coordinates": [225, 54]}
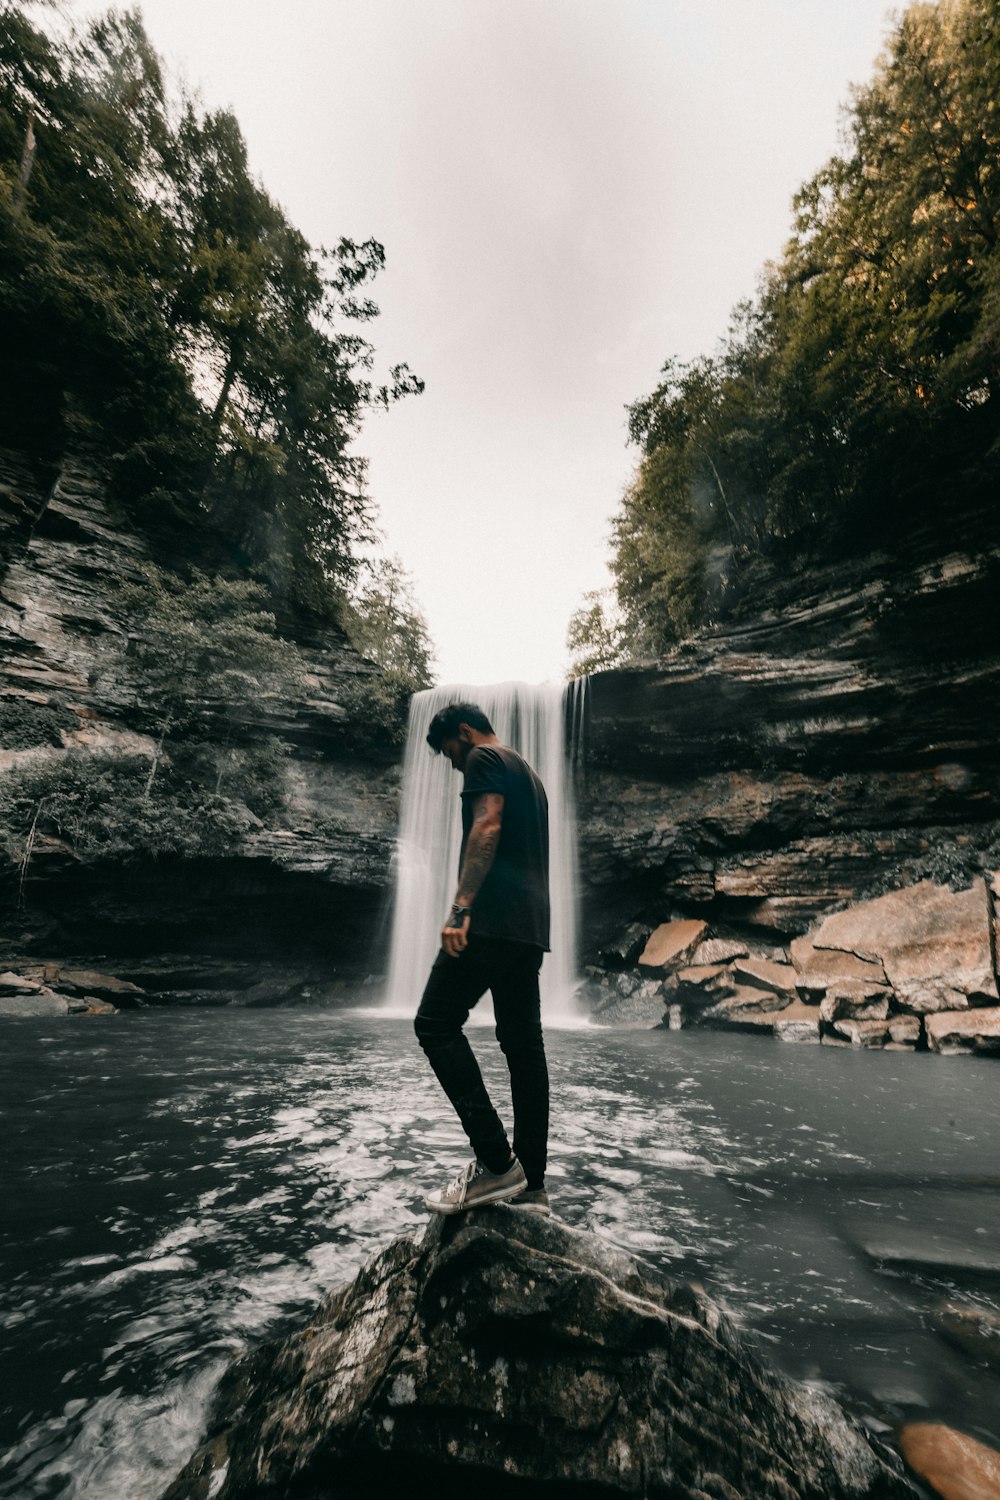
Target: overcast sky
{"type": "Point", "coordinates": [569, 192]}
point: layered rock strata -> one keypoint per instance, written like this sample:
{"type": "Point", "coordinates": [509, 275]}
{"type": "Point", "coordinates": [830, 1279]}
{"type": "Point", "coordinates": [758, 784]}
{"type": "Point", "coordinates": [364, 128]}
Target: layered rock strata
{"type": "Point", "coordinates": [506, 1354]}
{"type": "Point", "coordinates": [835, 735]}
{"type": "Point", "coordinates": [304, 887]}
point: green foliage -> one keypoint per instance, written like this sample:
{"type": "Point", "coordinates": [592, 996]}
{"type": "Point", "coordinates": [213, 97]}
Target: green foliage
{"type": "Point", "coordinates": [253, 774]}
{"type": "Point", "coordinates": [199, 650]}
{"type": "Point", "coordinates": [377, 712]}
{"type": "Point", "coordinates": [25, 725]}
{"type": "Point", "coordinates": [99, 806]}
{"type": "Point", "coordinates": [203, 643]}
{"type": "Point", "coordinates": [387, 626]}
{"type": "Point", "coordinates": [153, 295]}
{"type": "Point", "coordinates": [862, 382]}
{"type": "Point", "coordinates": [595, 638]}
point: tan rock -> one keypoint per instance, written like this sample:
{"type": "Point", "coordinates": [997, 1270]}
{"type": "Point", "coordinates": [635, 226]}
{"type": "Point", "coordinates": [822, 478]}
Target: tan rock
{"type": "Point", "coordinates": [90, 981]}
{"type": "Point", "coordinates": [707, 979]}
{"type": "Point", "coordinates": [977, 1030]}
{"type": "Point", "coordinates": [796, 1023]}
{"type": "Point", "coordinates": [934, 943]}
{"type": "Point", "coordinates": [698, 974]}
{"type": "Point", "coordinates": [745, 1000]}
{"type": "Point", "coordinates": [863, 1033]}
{"type": "Point", "coordinates": [672, 944]}
{"type": "Point", "coordinates": [819, 968]}
{"type": "Point", "coordinates": [956, 1466]}
{"type": "Point", "coordinates": [904, 1030]}
{"type": "Point", "coordinates": [17, 984]}
{"type": "Point", "coordinates": [765, 974]}
{"type": "Point", "coordinates": [719, 951]}
{"type": "Point", "coordinates": [858, 1000]}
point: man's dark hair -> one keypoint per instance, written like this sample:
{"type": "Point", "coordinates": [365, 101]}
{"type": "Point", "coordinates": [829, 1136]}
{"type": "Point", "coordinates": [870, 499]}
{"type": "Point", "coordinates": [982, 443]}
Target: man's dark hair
{"type": "Point", "coordinates": [444, 725]}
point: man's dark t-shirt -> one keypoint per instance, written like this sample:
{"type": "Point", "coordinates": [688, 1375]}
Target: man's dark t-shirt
{"type": "Point", "coordinates": [513, 900]}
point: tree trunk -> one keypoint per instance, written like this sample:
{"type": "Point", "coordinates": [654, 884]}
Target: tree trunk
{"type": "Point", "coordinates": [154, 764]}
{"type": "Point", "coordinates": [29, 849]}
{"type": "Point", "coordinates": [227, 756]}
{"type": "Point", "coordinates": [227, 385]}
{"type": "Point", "coordinates": [27, 162]}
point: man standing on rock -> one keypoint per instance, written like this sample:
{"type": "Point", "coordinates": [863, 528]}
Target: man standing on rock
{"type": "Point", "coordinates": [493, 939]}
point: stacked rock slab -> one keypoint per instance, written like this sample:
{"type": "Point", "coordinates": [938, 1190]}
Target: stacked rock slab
{"type": "Point", "coordinates": [915, 964]}
{"type": "Point", "coordinates": [913, 968]}
{"type": "Point", "coordinates": [44, 992]}
{"type": "Point", "coordinates": [507, 1354]}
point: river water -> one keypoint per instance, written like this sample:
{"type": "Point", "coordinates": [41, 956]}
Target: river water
{"type": "Point", "coordinates": [180, 1184]}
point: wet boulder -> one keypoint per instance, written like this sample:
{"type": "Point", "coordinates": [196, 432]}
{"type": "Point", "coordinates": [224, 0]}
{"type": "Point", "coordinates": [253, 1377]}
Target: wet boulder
{"type": "Point", "coordinates": [43, 1003]}
{"type": "Point", "coordinates": [638, 1006]}
{"type": "Point", "coordinates": [508, 1354]}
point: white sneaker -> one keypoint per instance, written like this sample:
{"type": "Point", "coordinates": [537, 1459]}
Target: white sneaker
{"type": "Point", "coordinates": [474, 1187]}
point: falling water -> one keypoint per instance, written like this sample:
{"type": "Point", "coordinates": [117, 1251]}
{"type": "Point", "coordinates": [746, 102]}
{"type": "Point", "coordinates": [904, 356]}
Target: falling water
{"type": "Point", "coordinates": [534, 720]}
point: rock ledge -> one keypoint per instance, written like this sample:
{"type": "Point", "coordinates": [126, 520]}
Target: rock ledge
{"type": "Point", "coordinates": [511, 1353]}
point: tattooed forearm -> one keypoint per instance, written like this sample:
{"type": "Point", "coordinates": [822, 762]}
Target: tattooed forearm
{"type": "Point", "coordinates": [480, 852]}
{"type": "Point", "coordinates": [480, 848]}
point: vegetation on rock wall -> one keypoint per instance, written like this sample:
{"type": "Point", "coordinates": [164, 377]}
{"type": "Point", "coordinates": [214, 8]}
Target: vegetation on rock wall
{"type": "Point", "coordinates": [101, 807]}
{"type": "Point", "coordinates": [157, 302]}
{"type": "Point", "coordinates": [159, 310]}
{"type": "Point", "coordinates": [201, 649]}
{"type": "Point", "coordinates": [860, 387]}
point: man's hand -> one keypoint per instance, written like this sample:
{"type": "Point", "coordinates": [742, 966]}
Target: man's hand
{"type": "Point", "coordinates": [455, 939]}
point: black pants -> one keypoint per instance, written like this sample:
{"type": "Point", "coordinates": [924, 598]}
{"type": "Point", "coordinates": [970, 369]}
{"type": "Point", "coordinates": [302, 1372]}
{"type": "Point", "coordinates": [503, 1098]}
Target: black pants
{"type": "Point", "coordinates": [510, 971]}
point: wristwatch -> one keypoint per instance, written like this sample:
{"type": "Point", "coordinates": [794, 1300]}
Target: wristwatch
{"type": "Point", "coordinates": [458, 914]}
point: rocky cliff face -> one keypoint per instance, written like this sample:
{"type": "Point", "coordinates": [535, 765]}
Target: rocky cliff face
{"type": "Point", "coordinates": [835, 735]}
{"type": "Point", "coordinates": [300, 895]}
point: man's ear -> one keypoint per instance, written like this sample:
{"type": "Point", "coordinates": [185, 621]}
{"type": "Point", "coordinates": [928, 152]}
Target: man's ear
{"type": "Point", "coordinates": [465, 734]}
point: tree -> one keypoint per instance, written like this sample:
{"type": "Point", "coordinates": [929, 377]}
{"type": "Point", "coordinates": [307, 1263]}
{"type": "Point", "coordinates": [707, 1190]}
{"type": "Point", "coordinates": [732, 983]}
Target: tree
{"type": "Point", "coordinates": [387, 626]}
{"type": "Point", "coordinates": [596, 635]}
{"type": "Point", "coordinates": [862, 381]}
{"type": "Point", "coordinates": [155, 299]}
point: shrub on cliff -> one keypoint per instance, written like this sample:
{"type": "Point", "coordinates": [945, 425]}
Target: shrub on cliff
{"type": "Point", "coordinates": [199, 650]}
{"type": "Point", "coordinates": [25, 725]}
{"type": "Point", "coordinates": [98, 805]}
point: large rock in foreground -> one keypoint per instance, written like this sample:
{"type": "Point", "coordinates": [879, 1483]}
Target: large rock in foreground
{"type": "Point", "coordinates": [507, 1354]}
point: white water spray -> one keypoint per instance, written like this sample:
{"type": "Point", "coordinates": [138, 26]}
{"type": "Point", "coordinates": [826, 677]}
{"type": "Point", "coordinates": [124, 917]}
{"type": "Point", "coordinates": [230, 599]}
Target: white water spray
{"type": "Point", "coordinates": [534, 721]}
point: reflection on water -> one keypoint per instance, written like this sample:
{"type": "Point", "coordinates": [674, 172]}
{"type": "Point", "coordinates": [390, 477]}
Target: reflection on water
{"type": "Point", "coordinates": [181, 1184]}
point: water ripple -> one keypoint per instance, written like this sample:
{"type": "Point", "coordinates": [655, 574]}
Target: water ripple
{"type": "Point", "coordinates": [183, 1185]}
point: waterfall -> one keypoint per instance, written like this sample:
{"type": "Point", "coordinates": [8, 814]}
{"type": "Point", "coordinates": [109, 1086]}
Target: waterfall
{"type": "Point", "coordinates": [534, 720]}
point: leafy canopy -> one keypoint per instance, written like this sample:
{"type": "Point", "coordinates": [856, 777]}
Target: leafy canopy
{"type": "Point", "coordinates": [860, 386]}
{"type": "Point", "coordinates": [154, 298]}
